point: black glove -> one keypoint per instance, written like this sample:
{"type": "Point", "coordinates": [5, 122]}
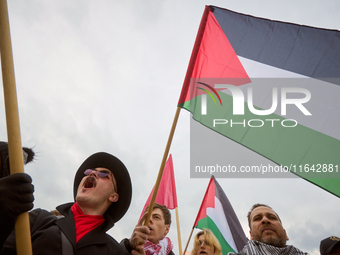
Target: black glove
{"type": "Point", "coordinates": [16, 196]}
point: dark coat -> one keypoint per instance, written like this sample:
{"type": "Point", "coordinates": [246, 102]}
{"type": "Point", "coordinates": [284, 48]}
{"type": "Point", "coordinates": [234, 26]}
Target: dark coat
{"type": "Point", "coordinates": [46, 235]}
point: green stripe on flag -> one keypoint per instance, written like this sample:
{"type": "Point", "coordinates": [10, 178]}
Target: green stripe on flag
{"type": "Point", "coordinates": [303, 150]}
{"type": "Point", "coordinates": [208, 223]}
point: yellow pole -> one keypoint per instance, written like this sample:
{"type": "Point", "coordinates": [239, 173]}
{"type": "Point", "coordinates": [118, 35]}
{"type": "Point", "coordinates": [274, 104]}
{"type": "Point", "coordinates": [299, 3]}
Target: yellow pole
{"type": "Point", "coordinates": [22, 227]}
{"type": "Point", "coordinates": [178, 232]}
{"type": "Point", "coordinates": [161, 169]}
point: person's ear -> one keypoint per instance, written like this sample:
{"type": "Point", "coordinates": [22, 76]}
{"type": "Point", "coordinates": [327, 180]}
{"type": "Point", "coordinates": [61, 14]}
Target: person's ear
{"type": "Point", "coordinates": [114, 197]}
{"type": "Point", "coordinates": [167, 229]}
{"type": "Point", "coordinates": [251, 236]}
{"type": "Point", "coordinates": [287, 238]}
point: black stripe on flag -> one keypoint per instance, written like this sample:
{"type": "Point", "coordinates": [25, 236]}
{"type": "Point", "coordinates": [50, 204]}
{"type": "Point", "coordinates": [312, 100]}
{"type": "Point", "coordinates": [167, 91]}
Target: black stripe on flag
{"type": "Point", "coordinates": [309, 51]}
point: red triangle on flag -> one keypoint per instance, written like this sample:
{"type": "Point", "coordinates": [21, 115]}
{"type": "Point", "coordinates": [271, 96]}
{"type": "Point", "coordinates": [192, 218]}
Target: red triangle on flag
{"type": "Point", "coordinates": [212, 57]}
{"type": "Point", "coordinates": [208, 201]}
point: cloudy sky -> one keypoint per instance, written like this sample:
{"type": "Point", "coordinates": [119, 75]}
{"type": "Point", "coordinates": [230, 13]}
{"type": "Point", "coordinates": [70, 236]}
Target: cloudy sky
{"type": "Point", "coordinates": [106, 76]}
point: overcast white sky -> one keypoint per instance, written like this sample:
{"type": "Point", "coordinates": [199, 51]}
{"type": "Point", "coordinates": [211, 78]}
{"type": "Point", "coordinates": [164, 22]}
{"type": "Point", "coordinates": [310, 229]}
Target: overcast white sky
{"type": "Point", "coordinates": [106, 76]}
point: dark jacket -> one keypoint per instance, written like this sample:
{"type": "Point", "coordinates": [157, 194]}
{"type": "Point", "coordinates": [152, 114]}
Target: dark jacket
{"type": "Point", "coordinates": [46, 235]}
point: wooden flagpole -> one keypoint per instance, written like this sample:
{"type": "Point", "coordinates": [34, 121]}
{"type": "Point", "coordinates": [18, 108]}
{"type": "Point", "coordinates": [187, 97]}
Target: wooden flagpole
{"type": "Point", "coordinates": [161, 169]}
{"type": "Point", "coordinates": [174, 123]}
{"type": "Point", "coordinates": [186, 246]}
{"type": "Point", "coordinates": [22, 227]}
{"type": "Point", "coordinates": [178, 232]}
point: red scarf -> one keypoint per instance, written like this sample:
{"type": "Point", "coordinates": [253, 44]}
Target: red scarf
{"type": "Point", "coordinates": [84, 222]}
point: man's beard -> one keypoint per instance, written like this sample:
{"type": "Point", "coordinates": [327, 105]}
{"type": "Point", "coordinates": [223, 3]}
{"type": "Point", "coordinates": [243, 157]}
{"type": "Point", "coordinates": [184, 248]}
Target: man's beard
{"type": "Point", "coordinates": [277, 242]}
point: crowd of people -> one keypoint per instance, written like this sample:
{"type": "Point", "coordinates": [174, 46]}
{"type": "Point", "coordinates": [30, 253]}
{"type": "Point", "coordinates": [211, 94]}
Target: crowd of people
{"type": "Point", "coordinates": [102, 194]}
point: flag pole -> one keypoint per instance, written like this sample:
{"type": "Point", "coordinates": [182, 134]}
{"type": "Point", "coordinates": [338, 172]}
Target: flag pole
{"type": "Point", "coordinates": [178, 232]}
{"type": "Point", "coordinates": [22, 227]}
{"type": "Point", "coordinates": [186, 246]}
{"type": "Point", "coordinates": [161, 169]}
{"type": "Point", "coordinates": [196, 220]}
{"type": "Point", "coordinates": [181, 101]}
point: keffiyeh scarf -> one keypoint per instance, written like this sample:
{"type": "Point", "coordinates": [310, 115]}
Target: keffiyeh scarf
{"type": "Point", "coordinates": [162, 248]}
{"type": "Point", "coordinates": [258, 248]}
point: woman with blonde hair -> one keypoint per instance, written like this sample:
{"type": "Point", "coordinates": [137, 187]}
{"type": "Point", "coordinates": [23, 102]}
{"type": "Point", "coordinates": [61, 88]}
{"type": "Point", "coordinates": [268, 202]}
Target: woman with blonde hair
{"type": "Point", "coordinates": [206, 242]}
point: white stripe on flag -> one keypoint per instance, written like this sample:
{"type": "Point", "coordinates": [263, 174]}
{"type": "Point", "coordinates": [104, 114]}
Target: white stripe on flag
{"type": "Point", "coordinates": [218, 216]}
{"type": "Point", "coordinates": [323, 105]}
{"type": "Point", "coordinates": [259, 70]}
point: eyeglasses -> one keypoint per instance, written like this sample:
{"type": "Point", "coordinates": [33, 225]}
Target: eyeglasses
{"type": "Point", "coordinates": [101, 174]}
{"type": "Point", "coordinates": [200, 242]}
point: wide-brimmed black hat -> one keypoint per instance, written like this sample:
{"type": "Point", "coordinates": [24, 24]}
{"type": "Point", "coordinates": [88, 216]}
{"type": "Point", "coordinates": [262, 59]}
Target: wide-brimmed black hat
{"type": "Point", "coordinates": [327, 244]}
{"type": "Point", "coordinates": [124, 189]}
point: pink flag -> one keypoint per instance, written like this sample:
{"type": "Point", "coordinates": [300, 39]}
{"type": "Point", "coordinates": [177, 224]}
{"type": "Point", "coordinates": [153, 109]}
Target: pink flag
{"type": "Point", "coordinates": [167, 189]}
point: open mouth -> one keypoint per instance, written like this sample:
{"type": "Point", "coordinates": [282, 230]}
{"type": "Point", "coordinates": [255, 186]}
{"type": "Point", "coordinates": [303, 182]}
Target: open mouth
{"type": "Point", "coordinates": [203, 252]}
{"type": "Point", "coordinates": [90, 183]}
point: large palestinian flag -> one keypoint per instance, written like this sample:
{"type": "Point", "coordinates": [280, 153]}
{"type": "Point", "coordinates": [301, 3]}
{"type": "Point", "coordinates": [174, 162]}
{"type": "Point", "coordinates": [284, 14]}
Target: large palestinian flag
{"type": "Point", "coordinates": [217, 214]}
{"type": "Point", "coordinates": [272, 87]}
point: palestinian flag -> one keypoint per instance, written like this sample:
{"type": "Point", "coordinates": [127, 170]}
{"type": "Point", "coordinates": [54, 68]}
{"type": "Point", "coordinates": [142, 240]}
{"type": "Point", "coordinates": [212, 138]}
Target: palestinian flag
{"type": "Point", "coordinates": [272, 87]}
{"type": "Point", "coordinates": [217, 214]}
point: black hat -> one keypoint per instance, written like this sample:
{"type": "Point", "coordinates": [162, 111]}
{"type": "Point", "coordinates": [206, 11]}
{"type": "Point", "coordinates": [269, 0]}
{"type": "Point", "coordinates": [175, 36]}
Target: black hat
{"type": "Point", "coordinates": [326, 245]}
{"type": "Point", "coordinates": [102, 159]}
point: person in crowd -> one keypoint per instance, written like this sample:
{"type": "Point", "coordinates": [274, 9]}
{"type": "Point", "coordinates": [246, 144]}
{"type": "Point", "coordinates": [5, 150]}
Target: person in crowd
{"type": "Point", "coordinates": [267, 233]}
{"type": "Point", "coordinates": [330, 246]}
{"type": "Point", "coordinates": [205, 242]}
{"type": "Point", "coordinates": [102, 192]}
{"type": "Point", "coordinates": [151, 239]}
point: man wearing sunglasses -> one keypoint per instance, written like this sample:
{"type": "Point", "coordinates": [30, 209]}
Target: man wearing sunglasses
{"type": "Point", "coordinates": [102, 192]}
